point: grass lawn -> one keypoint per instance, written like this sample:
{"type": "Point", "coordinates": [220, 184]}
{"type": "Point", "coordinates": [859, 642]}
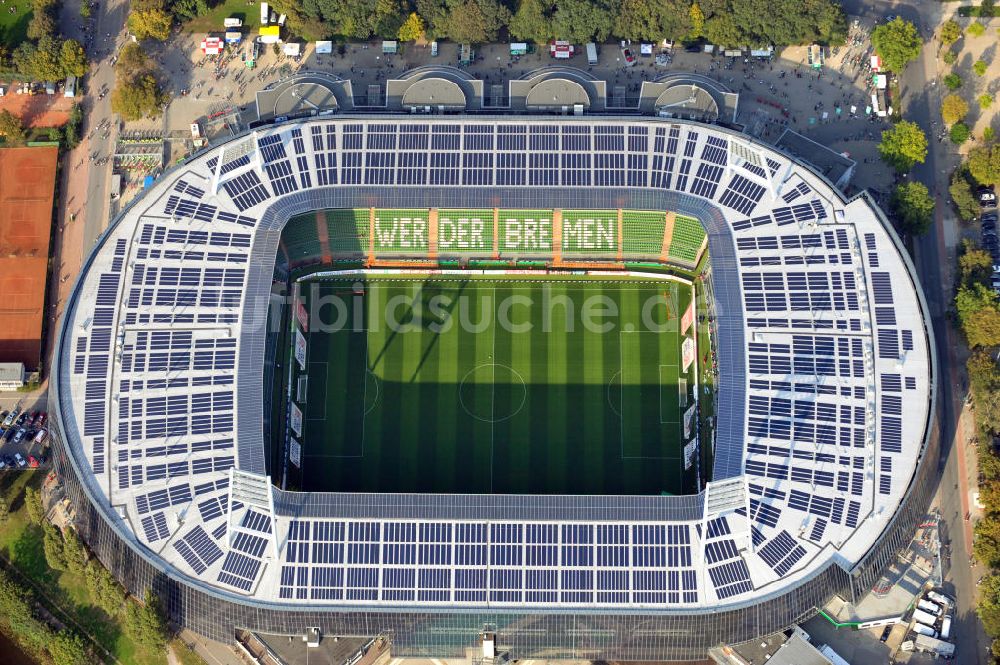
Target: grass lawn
{"type": "Point", "coordinates": [212, 21]}
{"type": "Point", "coordinates": [21, 543]}
{"type": "Point", "coordinates": [513, 396]}
{"type": "Point", "coordinates": [14, 26]}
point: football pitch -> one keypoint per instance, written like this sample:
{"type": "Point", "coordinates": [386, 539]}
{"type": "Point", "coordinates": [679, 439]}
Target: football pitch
{"type": "Point", "coordinates": [534, 385]}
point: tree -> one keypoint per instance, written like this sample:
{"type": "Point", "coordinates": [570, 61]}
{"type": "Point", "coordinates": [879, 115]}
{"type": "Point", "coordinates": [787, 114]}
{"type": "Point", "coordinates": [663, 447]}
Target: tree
{"type": "Point", "coordinates": [903, 146]}
{"type": "Point", "coordinates": [140, 98]}
{"type": "Point", "coordinates": [984, 384]}
{"type": "Point", "coordinates": [985, 101]}
{"type": "Point", "coordinates": [150, 24]}
{"type": "Point", "coordinates": [145, 623]}
{"type": "Point", "coordinates": [975, 265]}
{"type": "Point", "coordinates": [953, 81]}
{"type": "Point", "coordinates": [73, 58]}
{"type": "Point", "coordinates": [913, 206]}
{"type": "Point", "coordinates": [53, 545]}
{"type": "Point", "coordinates": [651, 20]}
{"type": "Point", "coordinates": [951, 31]}
{"type": "Point", "coordinates": [41, 25]}
{"type": "Point", "coordinates": [435, 16]}
{"type": "Point", "coordinates": [697, 18]}
{"type": "Point", "coordinates": [67, 648]}
{"type": "Point", "coordinates": [74, 552]}
{"type": "Point", "coordinates": [4, 509]}
{"type": "Point", "coordinates": [85, 9]}
{"type": "Point", "coordinates": [533, 21]}
{"type": "Point", "coordinates": [979, 67]}
{"type": "Point", "coordinates": [412, 28]}
{"type": "Point", "coordinates": [477, 21]}
{"type": "Point", "coordinates": [11, 128]}
{"type": "Point", "coordinates": [986, 545]}
{"type": "Point", "coordinates": [959, 133]}
{"type": "Point", "coordinates": [132, 61]}
{"type": "Point", "coordinates": [979, 315]}
{"type": "Point", "coordinates": [33, 503]}
{"type": "Point", "coordinates": [106, 592]}
{"type": "Point", "coordinates": [773, 22]}
{"type": "Point", "coordinates": [977, 29]}
{"type": "Point", "coordinates": [987, 134]}
{"type": "Point", "coordinates": [949, 57]}
{"type": "Point", "coordinates": [897, 43]}
{"type": "Point", "coordinates": [984, 164]}
{"type": "Point", "coordinates": [581, 21]}
{"type": "Point", "coordinates": [964, 201]}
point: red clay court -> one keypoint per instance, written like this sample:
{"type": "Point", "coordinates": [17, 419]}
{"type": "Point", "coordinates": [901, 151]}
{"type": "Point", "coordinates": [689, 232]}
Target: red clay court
{"type": "Point", "coordinates": [27, 187]}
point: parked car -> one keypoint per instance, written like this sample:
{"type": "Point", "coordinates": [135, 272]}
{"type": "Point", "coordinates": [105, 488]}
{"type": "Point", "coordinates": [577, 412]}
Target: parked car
{"type": "Point", "coordinates": [9, 420]}
{"type": "Point", "coordinates": [3, 465]}
{"type": "Point", "coordinates": [41, 420]}
{"type": "Point", "coordinates": [627, 55]}
{"type": "Point", "coordinates": [20, 435]}
{"type": "Point", "coordinates": [40, 437]}
{"type": "Point", "coordinates": [23, 418]}
{"type": "Point", "coordinates": [33, 418]}
{"type": "Point", "coordinates": [32, 462]}
{"type": "Point", "coordinates": [9, 434]}
{"type": "Point", "coordinates": [885, 634]}
{"type": "Point", "coordinates": [987, 196]}
{"type": "Point", "coordinates": [21, 462]}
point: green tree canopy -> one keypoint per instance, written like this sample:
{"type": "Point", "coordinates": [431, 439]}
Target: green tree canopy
{"type": "Point", "coordinates": [773, 22]}
{"type": "Point", "coordinates": [953, 109]}
{"type": "Point", "coordinates": [965, 202]}
{"type": "Point", "coordinates": [67, 648]}
{"type": "Point", "coordinates": [903, 146]}
{"type": "Point", "coordinates": [581, 21]}
{"type": "Point", "coordinates": [145, 622]}
{"type": "Point", "coordinates": [979, 315]}
{"type": "Point", "coordinates": [105, 591]}
{"type": "Point", "coordinates": [959, 133]}
{"type": "Point", "coordinates": [476, 21]}
{"type": "Point", "coordinates": [33, 504]}
{"type": "Point", "coordinates": [11, 128]}
{"type": "Point", "coordinates": [984, 164]}
{"type": "Point", "coordinates": [152, 23]}
{"type": "Point", "coordinates": [73, 58]}
{"type": "Point", "coordinates": [652, 20]}
{"type": "Point", "coordinates": [138, 98]}
{"type": "Point", "coordinates": [914, 207]}
{"type": "Point", "coordinates": [533, 21]}
{"type": "Point", "coordinates": [985, 101]}
{"type": "Point", "coordinates": [977, 29]}
{"type": "Point", "coordinates": [52, 543]}
{"type": "Point", "coordinates": [897, 43]}
{"type": "Point", "coordinates": [412, 28]}
{"type": "Point", "coordinates": [953, 81]}
{"type": "Point", "coordinates": [951, 31]}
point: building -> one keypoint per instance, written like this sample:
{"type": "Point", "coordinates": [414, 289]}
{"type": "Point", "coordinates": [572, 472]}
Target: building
{"type": "Point", "coordinates": [27, 188]}
{"type": "Point", "coordinates": [823, 450]}
{"type": "Point", "coordinates": [11, 376]}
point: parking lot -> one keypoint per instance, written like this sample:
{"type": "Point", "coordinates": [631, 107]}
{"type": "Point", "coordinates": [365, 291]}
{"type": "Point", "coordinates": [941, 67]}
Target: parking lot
{"type": "Point", "coordinates": [24, 441]}
{"type": "Point", "coordinates": [988, 230]}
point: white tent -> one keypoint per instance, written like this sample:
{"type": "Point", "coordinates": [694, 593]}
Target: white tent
{"type": "Point", "coordinates": [291, 48]}
{"type": "Point", "coordinates": [324, 47]}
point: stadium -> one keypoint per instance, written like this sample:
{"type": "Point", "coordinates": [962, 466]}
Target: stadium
{"type": "Point", "coordinates": [345, 373]}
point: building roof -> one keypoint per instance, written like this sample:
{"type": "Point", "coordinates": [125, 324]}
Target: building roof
{"type": "Point", "coordinates": [11, 371]}
{"type": "Point", "coordinates": [27, 188]}
{"type": "Point", "coordinates": [823, 341]}
{"type": "Point", "coordinates": [836, 167]}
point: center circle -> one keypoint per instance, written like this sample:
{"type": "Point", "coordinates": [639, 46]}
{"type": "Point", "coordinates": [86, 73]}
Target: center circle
{"type": "Point", "coordinates": [480, 392]}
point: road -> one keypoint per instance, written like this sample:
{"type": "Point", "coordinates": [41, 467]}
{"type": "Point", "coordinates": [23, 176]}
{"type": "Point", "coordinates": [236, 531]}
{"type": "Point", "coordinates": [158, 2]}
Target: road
{"type": "Point", "coordinates": [935, 262]}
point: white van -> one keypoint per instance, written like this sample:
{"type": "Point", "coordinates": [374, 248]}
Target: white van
{"type": "Point", "coordinates": [924, 630]}
{"type": "Point", "coordinates": [946, 627]}
{"type": "Point", "coordinates": [928, 606]}
{"type": "Point", "coordinates": [591, 53]}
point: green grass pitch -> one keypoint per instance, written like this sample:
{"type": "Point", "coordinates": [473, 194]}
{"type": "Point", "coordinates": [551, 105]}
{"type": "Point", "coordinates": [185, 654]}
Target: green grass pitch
{"type": "Point", "coordinates": [458, 385]}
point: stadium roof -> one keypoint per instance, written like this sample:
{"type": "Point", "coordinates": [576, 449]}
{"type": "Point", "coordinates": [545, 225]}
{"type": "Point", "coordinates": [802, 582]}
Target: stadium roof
{"type": "Point", "coordinates": [823, 344]}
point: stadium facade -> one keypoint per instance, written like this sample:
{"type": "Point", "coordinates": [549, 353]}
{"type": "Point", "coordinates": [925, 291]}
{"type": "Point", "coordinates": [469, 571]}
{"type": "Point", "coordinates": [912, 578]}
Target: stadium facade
{"type": "Point", "coordinates": [824, 459]}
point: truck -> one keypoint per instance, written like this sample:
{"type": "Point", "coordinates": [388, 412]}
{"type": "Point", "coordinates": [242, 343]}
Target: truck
{"type": "Point", "coordinates": [946, 627]}
{"type": "Point", "coordinates": [939, 598]}
{"type": "Point", "coordinates": [591, 53]}
{"type": "Point", "coordinates": [928, 606]}
{"type": "Point", "coordinates": [265, 13]}
{"type": "Point", "coordinates": [937, 647]}
{"type": "Point", "coordinates": [925, 618]}
{"type": "Point", "coordinates": [921, 629]}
